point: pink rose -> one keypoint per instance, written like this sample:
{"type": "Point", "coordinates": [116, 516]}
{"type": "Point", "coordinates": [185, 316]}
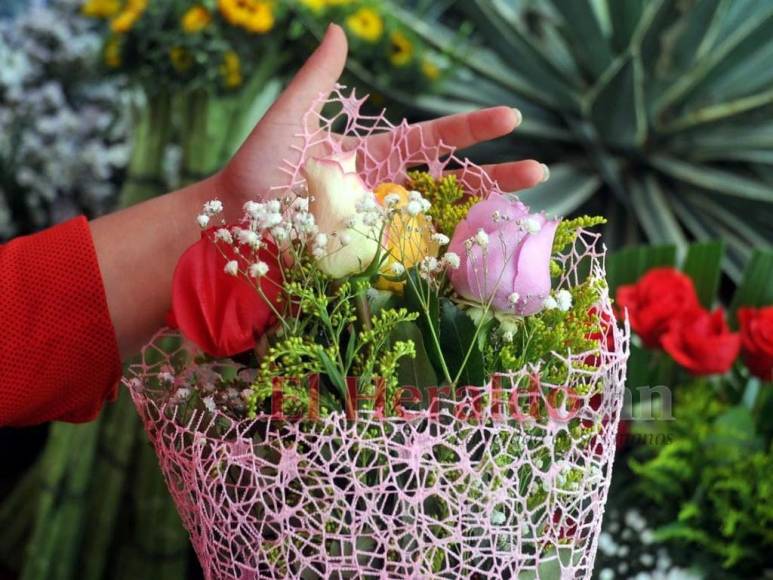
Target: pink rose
{"type": "Point", "coordinates": [505, 256]}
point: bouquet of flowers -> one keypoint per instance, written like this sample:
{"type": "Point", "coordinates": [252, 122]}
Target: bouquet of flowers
{"type": "Point", "coordinates": [381, 372]}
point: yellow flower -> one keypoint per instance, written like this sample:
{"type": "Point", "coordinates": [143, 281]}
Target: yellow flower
{"type": "Point", "coordinates": [196, 18]}
{"type": "Point", "coordinates": [112, 53]}
{"type": "Point", "coordinates": [402, 49]}
{"type": "Point", "coordinates": [315, 5]}
{"type": "Point", "coordinates": [131, 13]}
{"type": "Point", "coordinates": [253, 15]}
{"type": "Point", "coordinates": [100, 8]}
{"type": "Point", "coordinates": [181, 58]}
{"type": "Point", "coordinates": [408, 239]}
{"type": "Point", "coordinates": [430, 70]}
{"type": "Point", "coordinates": [366, 24]}
{"type": "Point", "coordinates": [231, 69]}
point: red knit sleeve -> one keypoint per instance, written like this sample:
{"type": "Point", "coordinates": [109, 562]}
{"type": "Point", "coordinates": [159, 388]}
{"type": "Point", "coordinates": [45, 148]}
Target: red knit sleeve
{"type": "Point", "coordinates": [58, 352]}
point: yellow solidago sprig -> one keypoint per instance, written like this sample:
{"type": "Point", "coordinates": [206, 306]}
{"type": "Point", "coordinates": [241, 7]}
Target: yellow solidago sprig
{"type": "Point", "coordinates": [449, 201]}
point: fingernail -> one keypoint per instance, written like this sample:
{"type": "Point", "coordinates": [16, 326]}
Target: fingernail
{"type": "Point", "coordinates": [518, 116]}
{"type": "Point", "coordinates": [545, 173]}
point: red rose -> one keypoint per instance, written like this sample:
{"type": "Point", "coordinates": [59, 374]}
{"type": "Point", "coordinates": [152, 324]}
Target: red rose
{"type": "Point", "coordinates": [223, 314]}
{"type": "Point", "coordinates": [703, 344]}
{"type": "Point", "coordinates": [757, 340]}
{"type": "Point", "coordinates": [660, 298]}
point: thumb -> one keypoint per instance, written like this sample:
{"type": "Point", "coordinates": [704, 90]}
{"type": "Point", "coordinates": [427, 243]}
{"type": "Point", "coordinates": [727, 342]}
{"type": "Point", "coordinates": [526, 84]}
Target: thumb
{"type": "Point", "coordinates": [318, 76]}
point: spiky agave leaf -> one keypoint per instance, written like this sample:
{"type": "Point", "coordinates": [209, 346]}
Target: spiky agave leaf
{"type": "Point", "coordinates": [656, 112]}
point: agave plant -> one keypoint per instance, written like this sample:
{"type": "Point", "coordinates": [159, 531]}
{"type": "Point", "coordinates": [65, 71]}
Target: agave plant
{"type": "Point", "coordinates": [656, 112]}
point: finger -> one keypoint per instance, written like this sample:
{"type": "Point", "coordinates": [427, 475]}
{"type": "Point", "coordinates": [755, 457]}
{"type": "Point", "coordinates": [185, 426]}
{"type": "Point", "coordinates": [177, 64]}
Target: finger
{"type": "Point", "coordinates": [318, 76]}
{"type": "Point", "coordinates": [458, 131]}
{"type": "Point", "coordinates": [512, 176]}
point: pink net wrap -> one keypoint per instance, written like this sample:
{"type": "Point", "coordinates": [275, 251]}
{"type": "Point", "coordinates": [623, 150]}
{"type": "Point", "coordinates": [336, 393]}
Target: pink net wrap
{"type": "Point", "coordinates": [439, 496]}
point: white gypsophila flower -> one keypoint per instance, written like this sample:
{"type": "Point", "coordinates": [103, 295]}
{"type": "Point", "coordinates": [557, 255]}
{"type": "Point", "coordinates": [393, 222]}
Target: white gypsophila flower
{"type": "Point", "coordinates": [413, 208]}
{"type": "Point", "coordinates": [231, 268]}
{"type": "Point", "coordinates": [301, 204]}
{"type": "Point", "coordinates": [213, 207]}
{"type": "Point", "coordinates": [426, 205]}
{"type": "Point", "coordinates": [392, 199]}
{"type": "Point", "coordinates": [345, 238]}
{"type": "Point", "coordinates": [320, 240]}
{"type": "Point", "coordinates": [253, 209]}
{"type": "Point", "coordinates": [481, 238]}
{"type": "Point", "coordinates": [202, 220]}
{"type": "Point", "coordinates": [182, 393]}
{"type": "Point", "coordinates": [273, 206]}
{"type": "Point", "coordinates": [441, 239]}
{"type": "Point", "coordinates": [428, 266]}
{"type": "Point", "coordinates": [166, 377]}
{"type": "Point", "coordinates": [397, 269]}
{"type": "Point", "coordinates": [564, 300]}
{"type": "Point", "coordinates": [209, 404]}
{"type": "Point", "coordinates": [550, 303]}
{"type": "Point", "coordinates": [452, 260]}
{"type": "Point", "coordinates": [223, 235]}
{"type": "Point", "coordinates": [248, 238]}
{"type": "Point", "coordinates": [258, 269]}
{"type": "Point", "coordinates": [319, 252]}
{"type": "Point", "coordinates": [414, 195]}
{"type": "Point", "coordinates": [531, 225]}
{"type": "Point", "coordinates": [514, 298]}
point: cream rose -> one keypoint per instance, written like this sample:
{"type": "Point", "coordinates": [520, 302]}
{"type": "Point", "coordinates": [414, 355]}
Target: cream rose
{"type": "Point", "coordinates": [345, 212]}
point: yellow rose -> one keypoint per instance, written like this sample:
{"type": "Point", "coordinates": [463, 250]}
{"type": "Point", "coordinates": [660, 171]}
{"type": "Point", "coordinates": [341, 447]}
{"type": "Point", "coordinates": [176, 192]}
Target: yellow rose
{"type": "Point", "coordinates": [348, 238]}
{"type": "Point", "coordinates": [408, 239]}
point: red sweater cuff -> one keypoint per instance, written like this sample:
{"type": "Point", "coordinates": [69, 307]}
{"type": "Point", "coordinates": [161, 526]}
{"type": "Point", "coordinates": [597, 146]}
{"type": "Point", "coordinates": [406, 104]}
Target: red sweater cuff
{"type": "Point", "coordinates": [58, 352]}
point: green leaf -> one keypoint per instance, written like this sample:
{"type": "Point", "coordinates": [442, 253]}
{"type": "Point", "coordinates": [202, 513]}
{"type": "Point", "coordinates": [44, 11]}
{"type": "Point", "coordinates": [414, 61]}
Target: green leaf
{"type": "Point", "coordinates": [566, 190]}
{"type": "Point", "coordinates": [629, 264]}
{"type": "Point", "coordinates": [423, 300]}
{"type": "Point", "coordinates": [583, 30]}
{"type": "Point", "coordinates": [616, 103]}
{"type": "Point", "coordinates": [703, 264]}
{"type": "Point", "coordinates": [756, 287]}
{"type": "Point", "coordinates": [717, 180]}
{"type": "Point", "coordinates": [624, 17]}
{"type": "Point", "coordinates": [655, 213]}
{"type": "Point", "coordinates": [457, 337]}
{"type": "Point", "coordinates": [334, 373]}
{"type": "Point", "coordinates": [417, 371]}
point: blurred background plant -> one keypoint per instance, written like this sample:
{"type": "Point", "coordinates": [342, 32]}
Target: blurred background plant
{"type": "Point", "coordinates": [656, 113]}
{"type": "Point", "coordinates": [693, 486]}
{"type": "Point", "coordinates": [63, 134]}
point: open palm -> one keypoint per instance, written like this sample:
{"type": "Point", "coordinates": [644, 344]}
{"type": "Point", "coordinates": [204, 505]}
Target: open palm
{"type": "Point", "coordinates": [254, 168]}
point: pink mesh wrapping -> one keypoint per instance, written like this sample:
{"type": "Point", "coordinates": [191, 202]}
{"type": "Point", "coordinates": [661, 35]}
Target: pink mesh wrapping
{"type": "Point", "coordinates": [436, 497]}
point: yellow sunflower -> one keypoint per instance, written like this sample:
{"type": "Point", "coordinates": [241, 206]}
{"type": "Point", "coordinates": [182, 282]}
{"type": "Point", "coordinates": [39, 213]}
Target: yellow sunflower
{"type": "Point", "coordinates": [231, 69]}
{"type": "Point", "coordinates": [253, 15]}
{"type": "Point", "coordinates": [366, 24]}
{"type": "Point", "coordinates": [195, 19]}
{"type": "Point", "coordinates": [402, 49]}
{"type": "Point", "coordinates": [132, 11]}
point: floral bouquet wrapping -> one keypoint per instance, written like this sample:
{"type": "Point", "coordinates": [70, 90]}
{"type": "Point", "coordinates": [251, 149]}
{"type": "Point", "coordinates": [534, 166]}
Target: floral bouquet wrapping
{"type": "Point", "coordinates": [387, 369]}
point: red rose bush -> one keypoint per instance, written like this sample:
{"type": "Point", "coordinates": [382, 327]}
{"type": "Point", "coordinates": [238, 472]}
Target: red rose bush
{"type": "Point", "coordinates": [361, 384]}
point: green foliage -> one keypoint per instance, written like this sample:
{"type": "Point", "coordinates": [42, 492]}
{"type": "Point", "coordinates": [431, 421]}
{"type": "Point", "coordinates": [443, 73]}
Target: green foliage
{"type": "Point", "coordinates": [657, 111]}
{"type": "Point", "coordinates": [449, 201]}
{"type": "Point", "coordinates": [568, 229]}
{"type": "Point", "coordinates": [714, 479]}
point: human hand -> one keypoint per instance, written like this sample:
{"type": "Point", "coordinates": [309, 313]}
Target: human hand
{"type": "Point", "coordinates": [254, 169]}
